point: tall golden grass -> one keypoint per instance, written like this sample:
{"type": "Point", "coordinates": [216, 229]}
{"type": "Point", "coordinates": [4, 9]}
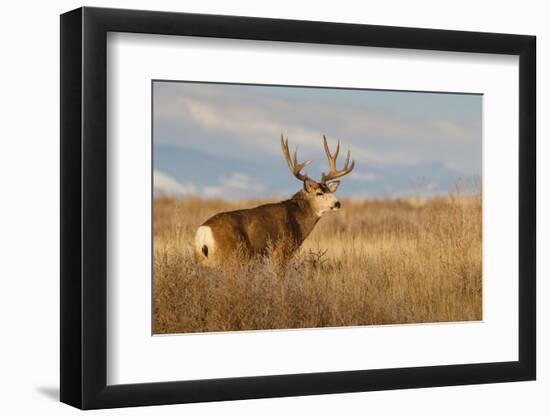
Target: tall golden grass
{"type": "Point", "coordinates": [379, 261]}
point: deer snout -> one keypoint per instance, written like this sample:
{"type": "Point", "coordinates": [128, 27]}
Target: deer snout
{"type": "Point", "coordinates": [337, 205]}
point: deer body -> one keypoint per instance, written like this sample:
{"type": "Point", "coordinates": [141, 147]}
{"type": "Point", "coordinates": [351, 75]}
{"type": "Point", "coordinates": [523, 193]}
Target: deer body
{"type": "Point", "coordinates": [253, 229]}
{"type": "Point", "coordinates": [283, 226]}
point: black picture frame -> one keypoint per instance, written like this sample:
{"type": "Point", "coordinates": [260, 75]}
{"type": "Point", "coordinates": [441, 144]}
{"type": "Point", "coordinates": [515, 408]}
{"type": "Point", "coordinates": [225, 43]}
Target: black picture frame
{"type": "Point", "coordinates": [84, 207]}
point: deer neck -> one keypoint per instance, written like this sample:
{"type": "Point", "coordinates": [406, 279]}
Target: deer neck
{"type": "Point", "coordinates": [304, 216]}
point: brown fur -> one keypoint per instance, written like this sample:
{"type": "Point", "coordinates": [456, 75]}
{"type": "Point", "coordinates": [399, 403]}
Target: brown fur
{"type": "Point", "coordinates": [286, 223]}
{"type": "Point", "coordinates": [282, 226]}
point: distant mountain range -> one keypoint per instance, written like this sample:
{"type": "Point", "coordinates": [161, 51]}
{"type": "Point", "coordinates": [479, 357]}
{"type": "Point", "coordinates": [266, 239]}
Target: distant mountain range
{"type": "Point", "coordinates": [180, 171]}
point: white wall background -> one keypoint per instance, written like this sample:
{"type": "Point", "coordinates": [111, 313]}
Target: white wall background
{"type": "Point", "coordinates": [29, 225]}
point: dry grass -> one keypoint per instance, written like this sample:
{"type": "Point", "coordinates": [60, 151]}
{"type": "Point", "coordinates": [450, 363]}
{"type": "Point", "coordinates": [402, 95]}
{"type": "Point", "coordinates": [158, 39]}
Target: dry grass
{"type": "Point", "coordinates": [373, 262]}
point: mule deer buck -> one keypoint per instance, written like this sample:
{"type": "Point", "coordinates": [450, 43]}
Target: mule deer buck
{"type": "Point", "coordinates": [284, 225]}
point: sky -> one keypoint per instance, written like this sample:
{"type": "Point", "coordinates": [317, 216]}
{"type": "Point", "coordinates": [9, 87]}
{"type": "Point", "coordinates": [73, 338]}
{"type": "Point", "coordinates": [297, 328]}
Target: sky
{"type": "Point", "coordinates": [223, 140]}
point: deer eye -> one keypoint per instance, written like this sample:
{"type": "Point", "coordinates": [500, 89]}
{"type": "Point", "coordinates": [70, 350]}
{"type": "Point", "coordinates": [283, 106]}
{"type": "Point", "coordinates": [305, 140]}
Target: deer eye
{"type": "Point", "coordinates": [318, 193]}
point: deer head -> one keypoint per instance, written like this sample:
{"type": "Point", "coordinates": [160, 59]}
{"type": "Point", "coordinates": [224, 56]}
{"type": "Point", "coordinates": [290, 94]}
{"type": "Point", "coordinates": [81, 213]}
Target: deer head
{"type": "Point", "coordinates": [319, 194]}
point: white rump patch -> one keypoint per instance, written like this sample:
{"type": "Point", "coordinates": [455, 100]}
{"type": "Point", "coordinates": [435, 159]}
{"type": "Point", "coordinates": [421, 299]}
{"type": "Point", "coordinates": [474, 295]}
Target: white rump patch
{"type": "Point", "coordinates": [204, 237]}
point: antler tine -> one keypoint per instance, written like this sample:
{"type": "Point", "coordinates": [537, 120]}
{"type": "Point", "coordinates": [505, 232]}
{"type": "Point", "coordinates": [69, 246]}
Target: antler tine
{"type": "Point", "coordinates": [298, 167]}
{"type": "Point", "coordinates": [335, 173]}
{"type": "Point", "coordinates": [293, 164]}
{"type": "Point", "coordinates": [284, 148]}
{"type": "Point", "coordinates": [327, 150]}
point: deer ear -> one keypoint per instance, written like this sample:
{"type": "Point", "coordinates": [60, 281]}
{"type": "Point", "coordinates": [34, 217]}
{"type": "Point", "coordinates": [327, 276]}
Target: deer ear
{"type": "Point", "coordinates": [333, 186]}
{"type": "Point", "coordinates": [308, 185]}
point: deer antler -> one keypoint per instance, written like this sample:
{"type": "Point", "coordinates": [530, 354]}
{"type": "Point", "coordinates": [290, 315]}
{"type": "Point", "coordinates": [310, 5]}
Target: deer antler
{"type": "Point", "coordinates": [334, 173]}
{"type": "Point", "coordinates": [293, 164]}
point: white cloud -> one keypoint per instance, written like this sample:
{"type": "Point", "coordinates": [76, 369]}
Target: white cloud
{"type": "Point", "coordinates": [233, 186]}
{"type": "Point", "coordinates": [166, 185]}
{"type": "Point", "coordinates": [253, 119]}
{"type": "Point", "coordinates": [364, 176]}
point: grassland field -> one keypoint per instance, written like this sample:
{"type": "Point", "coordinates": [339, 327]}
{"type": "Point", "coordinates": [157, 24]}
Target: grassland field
{"type": "Point", "coordinates": [375, 261]}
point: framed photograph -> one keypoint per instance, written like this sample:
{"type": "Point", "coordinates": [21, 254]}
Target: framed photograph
{"type": "Point", "coordinates": [257, 208]}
